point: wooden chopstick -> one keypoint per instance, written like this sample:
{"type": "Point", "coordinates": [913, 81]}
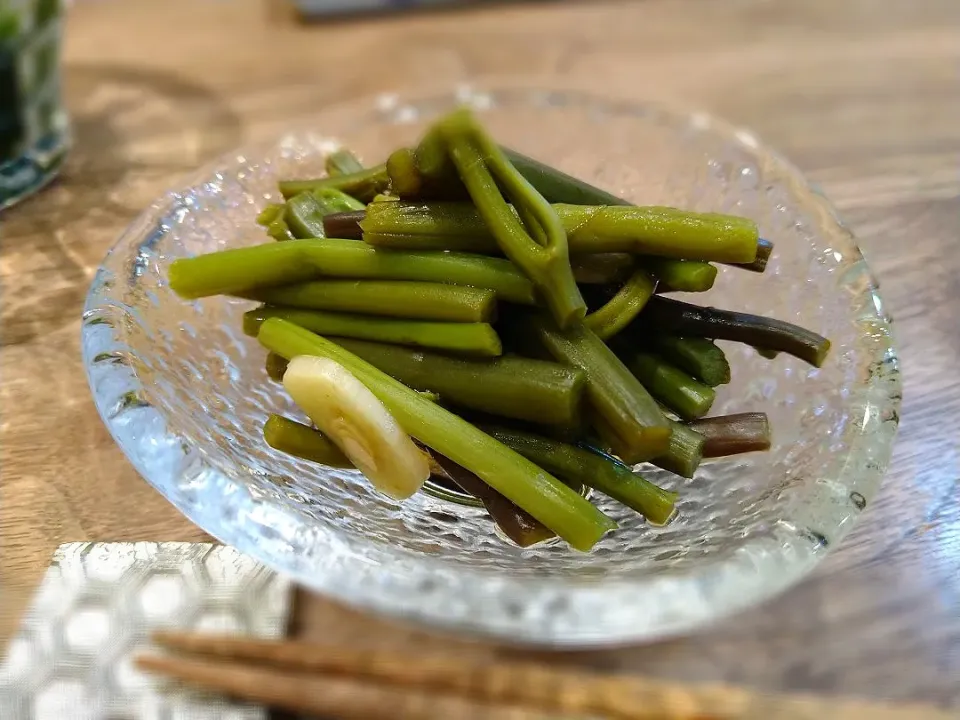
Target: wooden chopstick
{"type": "Point", "coordinates": [525, 684]}
{"type": "Point", "coordinates": [330, 697]}
{"type": "Point", "coordinates": [406, 681]}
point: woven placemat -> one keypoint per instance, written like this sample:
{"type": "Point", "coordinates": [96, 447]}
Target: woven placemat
{"type": "Point", "coordinates": [96, 607]}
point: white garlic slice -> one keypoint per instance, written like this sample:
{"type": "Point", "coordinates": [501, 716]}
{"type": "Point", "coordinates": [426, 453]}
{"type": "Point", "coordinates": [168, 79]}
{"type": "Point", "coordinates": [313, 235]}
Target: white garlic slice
{"type": "Point", "coordinates": [350, 415]}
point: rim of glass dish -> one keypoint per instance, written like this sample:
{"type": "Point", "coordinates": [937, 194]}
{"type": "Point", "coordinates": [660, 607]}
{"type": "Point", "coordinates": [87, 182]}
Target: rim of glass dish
{"type": "Point", "coordinates": [741, 589]}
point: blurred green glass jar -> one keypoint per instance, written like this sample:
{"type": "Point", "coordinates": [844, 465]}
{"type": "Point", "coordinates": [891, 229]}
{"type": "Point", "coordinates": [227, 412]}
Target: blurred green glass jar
{"type": "Point", "coordinates": [33, 124]}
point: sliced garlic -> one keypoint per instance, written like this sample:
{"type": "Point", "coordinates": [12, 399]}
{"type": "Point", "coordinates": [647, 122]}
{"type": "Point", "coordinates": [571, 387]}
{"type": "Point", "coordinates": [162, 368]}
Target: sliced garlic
{"type": "Point", "coordinates": [349, 414]}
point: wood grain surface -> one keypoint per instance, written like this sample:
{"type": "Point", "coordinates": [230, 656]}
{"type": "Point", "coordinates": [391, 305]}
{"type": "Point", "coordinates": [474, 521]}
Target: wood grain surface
{"type": "Point", "coordinates": [863, 96]}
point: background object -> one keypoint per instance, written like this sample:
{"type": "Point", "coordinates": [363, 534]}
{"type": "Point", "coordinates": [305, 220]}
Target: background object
{"type": "Point", "coordinates": [33, 124]}
{"type": "Point", "coordinates": [318, 9]}
{"type": "Point", "coordinates": [97, 606]}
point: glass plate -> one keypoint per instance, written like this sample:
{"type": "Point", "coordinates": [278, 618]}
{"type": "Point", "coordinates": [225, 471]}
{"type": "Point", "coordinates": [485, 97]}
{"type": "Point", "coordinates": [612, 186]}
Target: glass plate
{"type": "Point", "coordinates": [184, 392]}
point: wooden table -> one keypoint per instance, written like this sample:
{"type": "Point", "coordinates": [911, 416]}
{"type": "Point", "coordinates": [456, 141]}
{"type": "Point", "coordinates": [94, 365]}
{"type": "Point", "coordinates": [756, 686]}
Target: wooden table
{"type": "Point", "coordinates": [863, 96]}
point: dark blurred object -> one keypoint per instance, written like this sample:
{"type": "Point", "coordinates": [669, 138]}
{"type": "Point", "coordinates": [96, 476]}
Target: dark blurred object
{"type": "Point", "coordinates": [33, 132]}
{"type": "Point", "coordinates": [320, 9]}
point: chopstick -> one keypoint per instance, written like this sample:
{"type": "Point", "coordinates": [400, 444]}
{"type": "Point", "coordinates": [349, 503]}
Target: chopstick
{"type": "Point", "coordinates": [330, 697]}
{"type": "Point", "coordinates": [356, 684]}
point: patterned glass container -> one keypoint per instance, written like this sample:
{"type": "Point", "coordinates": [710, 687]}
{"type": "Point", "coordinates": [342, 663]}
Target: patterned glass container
{"type": "Point", "coordinates": [185, 394]}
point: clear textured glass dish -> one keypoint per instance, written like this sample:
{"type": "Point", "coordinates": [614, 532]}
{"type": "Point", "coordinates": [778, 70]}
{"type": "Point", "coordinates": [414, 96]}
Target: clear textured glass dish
{"type": "Point", "coordinates": [184, 392]}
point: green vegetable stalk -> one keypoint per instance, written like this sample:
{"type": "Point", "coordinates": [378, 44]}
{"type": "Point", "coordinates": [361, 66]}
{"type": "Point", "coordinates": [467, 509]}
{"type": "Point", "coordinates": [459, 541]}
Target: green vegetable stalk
{"type": "Point", "coordinates": [616, 314]}
{"type": "Point", "coordinates": [640, 430]}
{"type": "Point", "coordinates": [304, 216]}
{"type": "Point", "coordinates": [601, 268]}
{"type": "Point", "coordinates": [681, 275]}
{"type": "Point", "coordinates": [303, 441]}
{"type": "Point", "coordinates": [308, 443]}
{"type": "Point", "coordinates": [342, 162]}
{"type": "Point", "coordinates": [395, 298]}
{"type": "Point", "coordinates": [684, 453]}
{"type": "Point", "coordinates": [547, 499]}
{"type": "Point", "coordinates": [272, 218]}
{"type": "Point", "coordinates": [558, 187]}
{"type": "Point", "coordinates": [241, 270]}
{"type": "Point", "coordinates": [698, 356]}
{"type": "Point", "coordinates": [333, 200]}
{"type": "Point", "coordinates": [581, 466]}
{"type": "Point", "coordinates": [438, 178]}
{"type": "Point", "coordinates": [275, 366]}
{"type": "Point", "coordinates": [663, 315]}
{"type": "Point", "coordinates": [518, 525]}
{"type": "Point", "coordinates": [658, 231]}
{"type": "Point", "coordinates": [270, 213]}
{"type": "Point", "coordinates": [478, 339]}
{"type": "Point", "coordinates": [363, 185]}
{"type": "Point", "coordinates": [508, 386]}
{"type": "Point", "coordinates": [405, 178]}
{"type": "Point", "coordinates": [687, 397]}
{"type": "Point", "coordinates": [530, 233]}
